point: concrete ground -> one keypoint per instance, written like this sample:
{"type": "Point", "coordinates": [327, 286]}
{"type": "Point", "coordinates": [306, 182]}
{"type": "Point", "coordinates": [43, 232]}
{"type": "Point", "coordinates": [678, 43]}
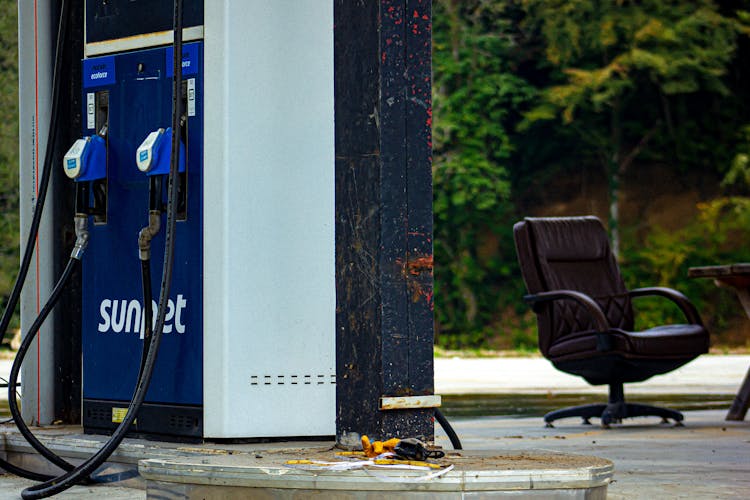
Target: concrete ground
{"type": "Point", "coordinates": [709, 374]}
{"type": "Point", "coordinates": [707, 458]}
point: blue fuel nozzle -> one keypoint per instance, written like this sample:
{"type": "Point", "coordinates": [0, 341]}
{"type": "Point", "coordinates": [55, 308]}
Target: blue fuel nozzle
{"type": "Point", "coordinates": [154, 154]}
{"type": "Point", "coordinates": [86, 160]}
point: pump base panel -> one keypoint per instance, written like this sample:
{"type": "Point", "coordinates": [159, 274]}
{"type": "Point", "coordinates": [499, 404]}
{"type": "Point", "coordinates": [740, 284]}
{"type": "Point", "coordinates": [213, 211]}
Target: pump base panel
{"type": "Point", "coordinates": [157, 421]}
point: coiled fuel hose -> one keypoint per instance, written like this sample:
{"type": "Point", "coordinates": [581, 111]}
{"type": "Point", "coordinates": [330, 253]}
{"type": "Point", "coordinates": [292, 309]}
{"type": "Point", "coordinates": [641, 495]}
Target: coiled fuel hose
{"type": "Point", "coordinates": [44, 180]}
{"type": "Point", "coordinates": [70, 268]}
{"type": "Point", "coordinates": [70, 478]}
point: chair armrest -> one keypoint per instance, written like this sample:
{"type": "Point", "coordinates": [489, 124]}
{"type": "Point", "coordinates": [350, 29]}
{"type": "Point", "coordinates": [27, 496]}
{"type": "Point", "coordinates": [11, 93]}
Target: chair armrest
{"type": "Point", "coordinates": [687, 307]}
{"type": "Point", "coordinates": [600, 319]}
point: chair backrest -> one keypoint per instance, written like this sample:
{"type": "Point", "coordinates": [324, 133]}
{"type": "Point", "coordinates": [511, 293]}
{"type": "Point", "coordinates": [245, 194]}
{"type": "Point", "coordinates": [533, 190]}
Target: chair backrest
{"type": "Point", "coordinates": [571, 253]}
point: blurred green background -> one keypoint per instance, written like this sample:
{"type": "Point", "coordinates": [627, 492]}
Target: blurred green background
{"type": "Point", "coordinates": [634, 111]}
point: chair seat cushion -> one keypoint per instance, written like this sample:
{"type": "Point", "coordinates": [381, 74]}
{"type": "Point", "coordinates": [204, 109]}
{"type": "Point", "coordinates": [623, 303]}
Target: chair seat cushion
{"type": "Point", "coordinates": [664, 342]}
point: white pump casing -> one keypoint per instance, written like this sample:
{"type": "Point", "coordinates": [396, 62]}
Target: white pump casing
{"type": "Point", "coordinates": [269, 277]}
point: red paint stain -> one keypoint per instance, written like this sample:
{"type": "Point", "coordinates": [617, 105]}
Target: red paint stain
{"type": "Point", "coordinates": [383, 57]}
{"type": "Point", "coordinates": [416, 266]}
{"type": "Point", "coordinates": [416, 14]}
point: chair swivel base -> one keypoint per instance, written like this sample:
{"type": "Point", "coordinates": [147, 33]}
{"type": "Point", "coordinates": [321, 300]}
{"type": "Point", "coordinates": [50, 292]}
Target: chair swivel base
{"type": "Point", "coordinates": [613, 413]}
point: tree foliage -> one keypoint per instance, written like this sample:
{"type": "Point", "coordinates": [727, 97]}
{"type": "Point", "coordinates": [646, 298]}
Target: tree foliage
{"type": "Point", "coordinates": [477, 99]}
{"type": "Point", "coordinates": [609, 57]}
{"type": "Point", "coordinates": [8, 146]}
{"type": "Point", "coordinates": [529, 93]}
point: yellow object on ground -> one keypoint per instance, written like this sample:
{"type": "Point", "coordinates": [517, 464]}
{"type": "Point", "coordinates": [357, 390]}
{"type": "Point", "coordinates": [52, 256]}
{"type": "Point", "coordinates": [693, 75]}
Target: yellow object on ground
{"type": "Point", "coordinates": [375, 448]}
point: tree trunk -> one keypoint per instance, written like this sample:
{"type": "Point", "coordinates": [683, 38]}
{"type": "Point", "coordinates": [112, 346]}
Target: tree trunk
{"type": "Point", "coordinates": [614, 208]}
{"type": "Point", "coordinates": [615, 171]}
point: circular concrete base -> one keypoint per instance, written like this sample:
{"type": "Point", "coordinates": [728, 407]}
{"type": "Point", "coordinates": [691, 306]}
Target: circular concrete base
{"type": "Point", "coordinates": [474, 475]}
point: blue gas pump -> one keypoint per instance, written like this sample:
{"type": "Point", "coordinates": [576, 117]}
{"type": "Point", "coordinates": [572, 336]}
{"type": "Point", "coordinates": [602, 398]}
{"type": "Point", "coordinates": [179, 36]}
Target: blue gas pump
{"type": "Point", "coordinates": [138, 85]}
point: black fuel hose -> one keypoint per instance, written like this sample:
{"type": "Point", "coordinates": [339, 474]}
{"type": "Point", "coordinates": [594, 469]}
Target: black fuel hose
{"type": "Point", "coordinates": [82, 240]}
{"type": "Point", "coordinates": [44, 180]}
{"type": "Point", "coordinates": [147, 311]}
{"type": "Point", "coordinates": [70, 268]}
{"type": "Point", "coordinates": [70, 478]}
{"type": "Point", "coordinates": [448, 428]}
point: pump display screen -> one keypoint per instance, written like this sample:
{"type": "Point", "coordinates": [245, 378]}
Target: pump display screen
{"type": "Point", "coordinates": [114, 19]}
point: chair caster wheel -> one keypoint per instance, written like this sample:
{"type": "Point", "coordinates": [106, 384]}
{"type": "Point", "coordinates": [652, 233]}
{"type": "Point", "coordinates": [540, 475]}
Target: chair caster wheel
{"type": "Point", "coordinates": [549, 425]}
{"type": "Point", "coordinates": [586, 421]}
{"type": "Point", "coordinates": [678, 423]}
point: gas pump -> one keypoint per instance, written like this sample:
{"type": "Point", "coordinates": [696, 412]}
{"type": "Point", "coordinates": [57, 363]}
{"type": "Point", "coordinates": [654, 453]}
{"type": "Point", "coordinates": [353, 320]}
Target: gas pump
{"type": "Point", "coordinates": [246, 336]}
{"type": "Point", "coordinates": [248, 349]}
{"type": "Point", "coordinates": [138, 89]}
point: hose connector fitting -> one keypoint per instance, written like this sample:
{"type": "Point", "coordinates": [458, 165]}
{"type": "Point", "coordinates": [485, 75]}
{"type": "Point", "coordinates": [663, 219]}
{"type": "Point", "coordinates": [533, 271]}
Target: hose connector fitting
{"type": "Point", "coordinates": [82, 236]}
{"type": "Point", "coordinates": [148, 233]}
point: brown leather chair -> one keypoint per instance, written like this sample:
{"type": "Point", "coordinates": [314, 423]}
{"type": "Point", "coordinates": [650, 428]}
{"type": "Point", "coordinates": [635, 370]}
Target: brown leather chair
{"type": "Point", "coordinates": [585, 316]}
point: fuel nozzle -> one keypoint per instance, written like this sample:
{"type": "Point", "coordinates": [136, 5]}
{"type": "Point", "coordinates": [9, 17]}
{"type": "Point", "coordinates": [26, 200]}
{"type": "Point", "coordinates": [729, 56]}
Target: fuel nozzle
{"type": "Point", "coordinates": [86, 160]}
{"type": "Point", "coordinates": [82, 236]}
{"type": "Point", "coordinates": [154, 154]}
{"type": "Point", "coordinates": [147, 234]}
{"type": "Point", "coordinates": [153, 157]}
{"type": "Point", "coordinates": [86, 163]}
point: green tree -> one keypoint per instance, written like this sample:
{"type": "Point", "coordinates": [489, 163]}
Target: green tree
{"type": "Point", "coordinates": [619, 66]}
{"type": "Point", "coordinates": [8, 146]}
{"type": "Point", "coordinates": [477, 99]}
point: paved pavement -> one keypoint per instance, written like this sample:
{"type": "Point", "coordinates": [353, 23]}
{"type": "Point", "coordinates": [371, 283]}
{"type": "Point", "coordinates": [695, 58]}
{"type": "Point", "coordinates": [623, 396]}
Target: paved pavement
{"type": "Point", "coordinates": [710, 374]}
{"type": "Point", "coordinates": [708, 458]}
{"type": "Point", "coordinates": [705, 459]}
{"type": "Point", "coordinates": [11, 487]}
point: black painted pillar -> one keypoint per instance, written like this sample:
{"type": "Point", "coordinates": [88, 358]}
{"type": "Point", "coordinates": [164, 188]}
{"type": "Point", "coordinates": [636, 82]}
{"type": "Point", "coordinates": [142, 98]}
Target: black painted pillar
{"type": "Point", "coordinates": [384, 298]}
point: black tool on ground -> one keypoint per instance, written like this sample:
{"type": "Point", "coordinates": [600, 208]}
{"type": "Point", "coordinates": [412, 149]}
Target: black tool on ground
{"type": "Point", "coordinates": [414, 449]}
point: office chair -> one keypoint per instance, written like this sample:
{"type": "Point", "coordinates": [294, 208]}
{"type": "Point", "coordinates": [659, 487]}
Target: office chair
{"type": "Point", "coordinates": [585, 316]}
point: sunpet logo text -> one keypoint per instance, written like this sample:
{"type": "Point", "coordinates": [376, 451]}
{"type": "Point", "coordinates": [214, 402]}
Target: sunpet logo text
{"type": "Point", "coordinates": [126, 316]}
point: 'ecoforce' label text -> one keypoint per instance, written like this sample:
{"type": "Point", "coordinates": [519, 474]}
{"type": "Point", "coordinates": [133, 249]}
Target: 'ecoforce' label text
{"type": "Point", "coordinates": [99, 71]}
